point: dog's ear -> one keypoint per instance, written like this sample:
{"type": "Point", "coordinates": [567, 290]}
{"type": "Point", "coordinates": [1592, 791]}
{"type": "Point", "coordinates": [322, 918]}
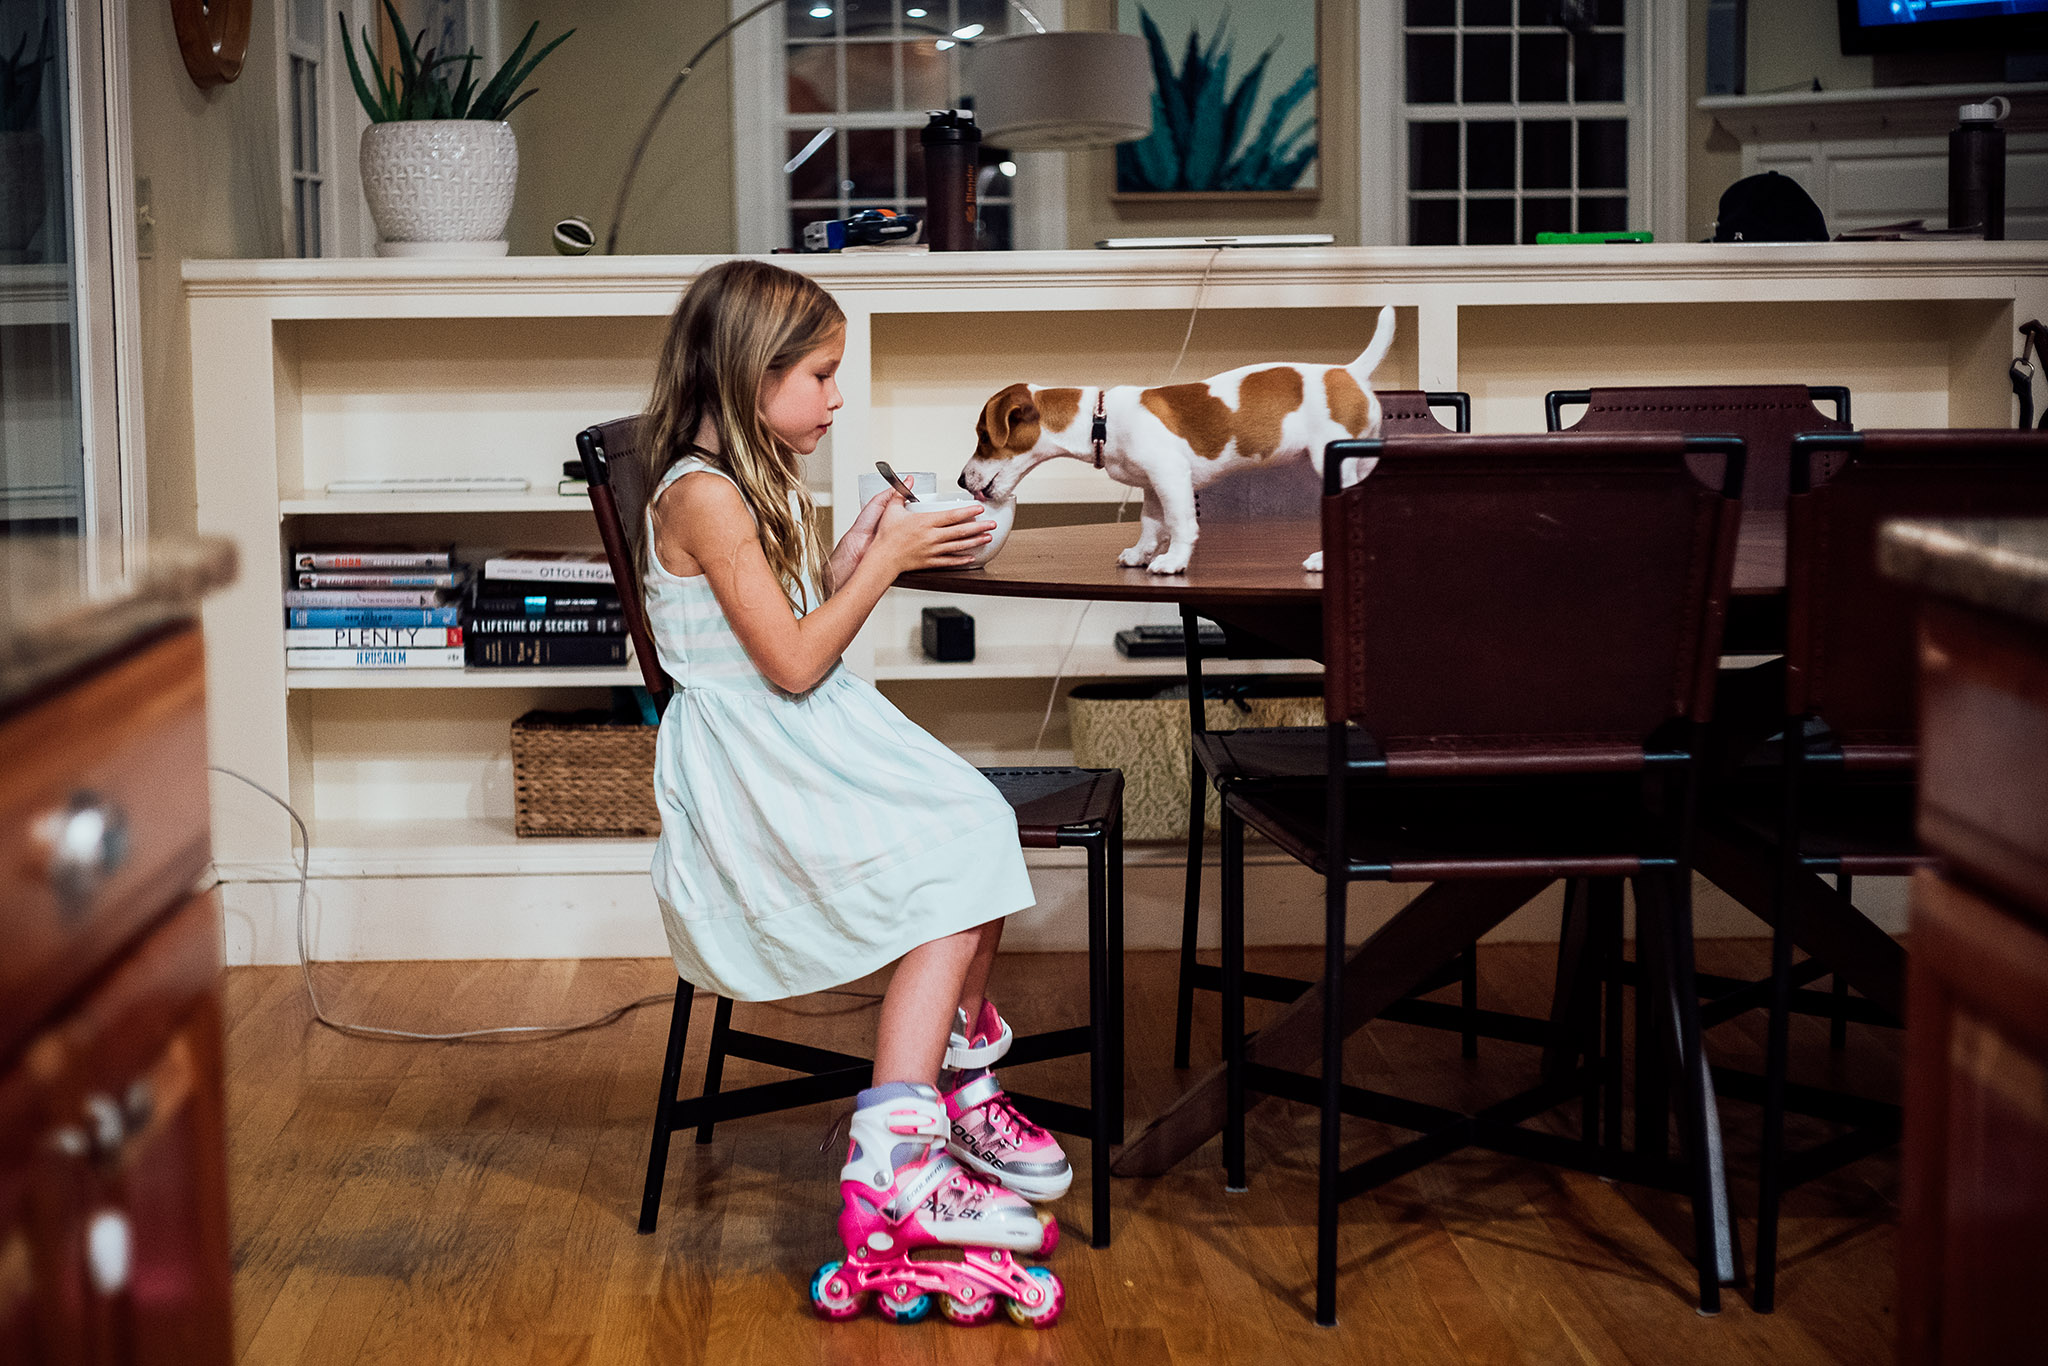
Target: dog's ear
{"type": "Point", "coordinates": [1008, 411]}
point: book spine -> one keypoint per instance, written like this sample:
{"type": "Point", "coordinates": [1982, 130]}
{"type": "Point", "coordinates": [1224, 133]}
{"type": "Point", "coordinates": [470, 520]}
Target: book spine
{"type": "Point", "coordinates": [450, 658]}
{"type": "Point", "coordinates": [549, 571]}
{"type": "Point", "coordinates": [371, 559]}
{"type": "Point", "coordinates": [507, 652]}
{"type": "Point", "coordinates": [539, 604]}
{"type": "Point", "coordinates": [397, 578]}
{"type": "Point", "coordinates": [547, 626]}
{"type": "Point", "coordinates": [340, 618]}
{"type": "Point", "coordinates": [373, 637]}
{"type": "Point", "coordinates": [364, 597]}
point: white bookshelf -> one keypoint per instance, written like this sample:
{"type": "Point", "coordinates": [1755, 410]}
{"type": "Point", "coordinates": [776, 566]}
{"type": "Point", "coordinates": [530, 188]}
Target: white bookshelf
{"type": "Point", "coordinates": [308, 372]}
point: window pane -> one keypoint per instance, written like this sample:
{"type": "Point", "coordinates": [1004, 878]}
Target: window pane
{"type": "Point", "coordinates": [313, 216]}
{"type": "Point", "coordinates": [1603, 215]}
{"type": "Point", "coordinates": [866, 18]}
{"type": "Point", "coordinates": [813, 80]}
{"type": "Point", "coordinates": [1607, 12]}
{"type": "Point", "coordinates": [1434, 13]}
{"type": "Point", "coordinates": [1433, 222]}
{"type": "Point", "coordinates": [313, 117]}
{"type": "Point", "coordinates": [913, 166]}
{"type": "Point", "coordinates": [1432, 156]}
{"type": "Point", "coordinates": [1603, 154]}
{"type": "Point", "coordinates": [298, 97]}
{"type": "Point", "coordinates": [992, 15]}
{"type": "Point", "coordinates": [992, 228]}
{"type": "Point", "coordinates": [1543, 67]}
{"type": "Point", "coordinates": [1486, 68]}
{"type": "Point", "coordinates": [803, 20]}
{"type": "Point", "coordinates": [1482, 12]}
{"type": "Point", "coordinates": [1490, 155]}
{"type": "Point", "coordinates": [1547, 154]}
{"type": "Point", "coordinates": [818, 177]}
{"type": "Point", "coordinates": [1539, 13]}
{"type": "Point", "coordinates": [1545, 215]}
{"type": "Point", "coordinates": [927, 76]}
{"type": "Point", "coordinates": [298, 217]}
{"type": "Point", "coordinates": [1602, 64]}
{"type": "Point", "coordinates": [871, 76]}
{"type": "Point", "coordinates": [871, 163]}
{"type": "Point", "coordinates": [1489, 222]}
{"type": "Point", "coordinates": [1432, 69]}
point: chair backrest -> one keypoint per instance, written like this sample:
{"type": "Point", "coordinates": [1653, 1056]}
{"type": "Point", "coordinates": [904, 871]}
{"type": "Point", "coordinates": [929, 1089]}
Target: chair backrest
{"type": "Point", "coordinates": [1849, 650]}
{"type": "Point", "coordinates": [1529, 603]}
{"type": "Point", "coordinates": [621, 482]}
{"type": "Point", "coordinates": [1765, 416]}
{"type": "Point", "coordinates": [1295, 492]}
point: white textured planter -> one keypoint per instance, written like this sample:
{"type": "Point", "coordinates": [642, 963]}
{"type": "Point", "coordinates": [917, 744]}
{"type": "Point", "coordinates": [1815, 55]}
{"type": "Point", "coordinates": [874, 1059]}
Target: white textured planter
{"type": "Point", "coordinates": [440, 187]}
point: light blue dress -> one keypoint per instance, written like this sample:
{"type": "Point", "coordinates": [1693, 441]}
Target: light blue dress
{"type": "Point", "coordinates": [806, 839]}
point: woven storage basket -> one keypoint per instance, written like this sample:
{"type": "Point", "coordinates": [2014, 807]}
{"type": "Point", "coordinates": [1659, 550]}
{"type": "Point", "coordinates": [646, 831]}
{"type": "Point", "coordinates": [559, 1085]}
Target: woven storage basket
{"type": "Point", "coordinates": [1142, 728]}
{"type": "Point", "coordinates": [583, 773]}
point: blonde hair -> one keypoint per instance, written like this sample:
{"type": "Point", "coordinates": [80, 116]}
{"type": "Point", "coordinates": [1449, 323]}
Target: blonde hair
{"type": "Point", "coordinates": [740, 325]}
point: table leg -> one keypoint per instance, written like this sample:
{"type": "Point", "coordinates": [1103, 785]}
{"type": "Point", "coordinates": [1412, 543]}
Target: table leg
{"type": "Point", "coordinates": [1420, 938]}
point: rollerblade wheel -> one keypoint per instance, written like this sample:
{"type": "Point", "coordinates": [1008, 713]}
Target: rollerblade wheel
{"type": "Point", "coordinates": [980, 1309]}
{"type": "Point", "coordinates": [1052, 1296]}
{"type": "Point", "coordinates": [1052, 1233]}
{"type": "Point", "coordinates": [833, 1295]}
{"type": "Point", "coordinates": [902, 1303]}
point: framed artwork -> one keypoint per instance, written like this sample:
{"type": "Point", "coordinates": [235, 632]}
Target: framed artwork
{"type": "Point", "coordinates": [1235, 100]}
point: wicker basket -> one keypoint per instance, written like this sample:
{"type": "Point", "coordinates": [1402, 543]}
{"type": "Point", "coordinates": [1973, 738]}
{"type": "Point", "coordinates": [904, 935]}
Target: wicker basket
{"type": "Point", "coordinates": [583, 773]}
{"type": "Point", "coordinates": [1142, 728]}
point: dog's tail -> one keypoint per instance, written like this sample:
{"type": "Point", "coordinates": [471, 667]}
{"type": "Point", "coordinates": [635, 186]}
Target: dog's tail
{"type": "Point", "coordinates": [1376, 350]}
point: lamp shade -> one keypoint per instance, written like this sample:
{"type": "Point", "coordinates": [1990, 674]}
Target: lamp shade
{"type": "Point", "coordinates": [1061, 90]}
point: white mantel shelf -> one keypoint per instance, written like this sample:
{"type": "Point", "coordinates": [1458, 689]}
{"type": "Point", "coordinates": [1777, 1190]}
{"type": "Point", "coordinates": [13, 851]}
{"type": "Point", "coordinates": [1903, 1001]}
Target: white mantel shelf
{"type": "Point", "coordinates": [1884, 111]}
{"type": "Point", "coordinates": [626, 285]}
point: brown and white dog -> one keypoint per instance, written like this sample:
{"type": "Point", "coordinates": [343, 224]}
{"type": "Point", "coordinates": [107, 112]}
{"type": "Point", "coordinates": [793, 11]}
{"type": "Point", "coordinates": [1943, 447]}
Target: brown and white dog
{"type": "Point", "coordinates": [1172, 439]}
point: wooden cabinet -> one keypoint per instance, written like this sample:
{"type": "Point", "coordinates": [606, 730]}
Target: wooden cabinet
{"type": "Point", "coordinates": [1974, 1236]}
{"type": "Point", "coordinates": [113, 1197]}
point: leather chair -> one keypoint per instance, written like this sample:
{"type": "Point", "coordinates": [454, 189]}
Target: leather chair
{"type": "Point", "coordinates": [1056, 808]}
{"type": "Point", "coordinates": [1264, 754]}
{"type": "Point", "coordinates": [1839, 800]}
{"type": "Point", "coordinates": [1521, 636]}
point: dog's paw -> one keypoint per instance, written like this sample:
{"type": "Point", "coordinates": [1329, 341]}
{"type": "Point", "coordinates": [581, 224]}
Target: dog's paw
{"type": "Point", "coordinates": [1314, 563]}
{"type": "Point", "coordinates": [1170, 562]}
{"type": "Point", "coordinates": [1135, 556]}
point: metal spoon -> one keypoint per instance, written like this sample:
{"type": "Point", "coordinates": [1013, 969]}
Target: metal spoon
{"type": "Point", "coordinates": [895, 481]}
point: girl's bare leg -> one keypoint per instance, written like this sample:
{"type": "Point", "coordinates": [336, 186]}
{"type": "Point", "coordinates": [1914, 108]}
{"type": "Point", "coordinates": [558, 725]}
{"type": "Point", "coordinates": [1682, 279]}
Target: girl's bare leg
{"type": "Point", "coordinates": [917, 1007]}
{"type": "Point", "coordinates": [976, 984]}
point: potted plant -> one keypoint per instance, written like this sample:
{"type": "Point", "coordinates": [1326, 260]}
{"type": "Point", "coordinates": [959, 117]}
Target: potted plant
{"type": "Point", "coordinates": [439, 161]}
{"type": "Point", "coordinates": [24, 198]}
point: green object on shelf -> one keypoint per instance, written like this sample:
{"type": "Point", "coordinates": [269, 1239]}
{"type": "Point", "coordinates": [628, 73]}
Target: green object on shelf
{"type": "Point", "coordinates": [1547, 239]}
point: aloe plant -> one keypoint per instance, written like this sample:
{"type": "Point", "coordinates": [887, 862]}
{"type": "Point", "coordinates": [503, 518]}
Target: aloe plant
{"type": "Point", "coordinates": [21, 84]}
{"type": "Point", "coordinates": [419, 89]}
{"type": "Point", "coordinates": [1202, 138]}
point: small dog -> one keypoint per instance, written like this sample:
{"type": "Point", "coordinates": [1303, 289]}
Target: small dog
{"type": "Point", "coordinates": [1172, 439]}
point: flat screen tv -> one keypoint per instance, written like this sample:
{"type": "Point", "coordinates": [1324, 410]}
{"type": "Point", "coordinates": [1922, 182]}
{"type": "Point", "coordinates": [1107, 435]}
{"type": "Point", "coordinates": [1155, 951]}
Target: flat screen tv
{"type": "Point", "coordinates": [1921, 25]}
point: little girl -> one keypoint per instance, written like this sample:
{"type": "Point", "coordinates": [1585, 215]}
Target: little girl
{"type": "Point", "coordinates": [810, 833]}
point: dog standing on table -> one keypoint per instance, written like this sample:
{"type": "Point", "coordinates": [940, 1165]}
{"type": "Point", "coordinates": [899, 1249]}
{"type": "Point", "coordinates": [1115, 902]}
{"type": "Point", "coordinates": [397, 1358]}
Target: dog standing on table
{"type": "Point", "coordinates": [1172, 439]}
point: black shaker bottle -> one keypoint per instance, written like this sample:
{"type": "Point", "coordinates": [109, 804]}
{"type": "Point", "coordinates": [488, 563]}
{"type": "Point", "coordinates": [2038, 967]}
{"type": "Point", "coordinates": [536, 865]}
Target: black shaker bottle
{"type": "Point", "coordinates": [1976, 169]}
{"type": "Point", "coordinates": [952, 156]}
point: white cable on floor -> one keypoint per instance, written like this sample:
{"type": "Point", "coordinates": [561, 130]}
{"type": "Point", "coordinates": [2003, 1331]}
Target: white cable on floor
{"type": "Point", "coordinates": [1059, 674]}
{"type": "Point", "coordinates": [305, 862]}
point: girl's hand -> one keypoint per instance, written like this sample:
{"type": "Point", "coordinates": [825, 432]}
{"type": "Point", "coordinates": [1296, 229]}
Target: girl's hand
{"type": "Point", "coordinates": [929, 540]}
{"type": "Point", "coordinates": [854, 544]}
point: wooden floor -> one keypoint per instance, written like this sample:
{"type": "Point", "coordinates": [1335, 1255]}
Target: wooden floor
{"type": "Point", "coordinates": [432, 1204]}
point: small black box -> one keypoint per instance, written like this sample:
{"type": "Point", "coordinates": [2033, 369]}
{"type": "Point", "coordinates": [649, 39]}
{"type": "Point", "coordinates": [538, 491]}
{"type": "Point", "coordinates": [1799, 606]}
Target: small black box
{"type": "Point", "coordinates": [948, 635]}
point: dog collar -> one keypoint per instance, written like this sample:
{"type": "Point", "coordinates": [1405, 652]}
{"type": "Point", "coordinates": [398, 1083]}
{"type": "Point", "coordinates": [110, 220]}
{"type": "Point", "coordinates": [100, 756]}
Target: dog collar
{"type": "Point", "coordinates": [1099, 433]}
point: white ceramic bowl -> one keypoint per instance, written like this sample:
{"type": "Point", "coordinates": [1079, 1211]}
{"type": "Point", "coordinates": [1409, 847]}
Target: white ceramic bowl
{"type": "Point", "coordinates": [1003, 514]}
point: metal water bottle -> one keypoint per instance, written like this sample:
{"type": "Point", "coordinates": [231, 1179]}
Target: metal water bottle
{"type": "Point", "coordinates": [952, 156]}
{"type": "Point", "coordinates": [1976, 169]}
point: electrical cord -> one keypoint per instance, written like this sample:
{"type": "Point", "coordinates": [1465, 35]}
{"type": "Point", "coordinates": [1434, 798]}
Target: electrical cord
{"type": "Point", "coordinates": [1059, 674]}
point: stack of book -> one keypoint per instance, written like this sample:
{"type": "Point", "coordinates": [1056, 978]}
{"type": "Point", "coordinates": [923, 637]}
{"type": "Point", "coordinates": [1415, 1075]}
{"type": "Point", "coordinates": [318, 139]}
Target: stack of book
{"type": "Point", "coordinates": [376, 607]}
{"type": "Point", "coordinates": [545, 609]}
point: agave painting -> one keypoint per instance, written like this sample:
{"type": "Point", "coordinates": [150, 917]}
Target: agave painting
{"type": "Point", "coordinates": [1215, 132]}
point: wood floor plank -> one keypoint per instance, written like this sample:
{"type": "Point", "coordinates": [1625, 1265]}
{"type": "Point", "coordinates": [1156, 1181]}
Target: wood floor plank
{"type": "Point", "coordinates": [476, 1202]}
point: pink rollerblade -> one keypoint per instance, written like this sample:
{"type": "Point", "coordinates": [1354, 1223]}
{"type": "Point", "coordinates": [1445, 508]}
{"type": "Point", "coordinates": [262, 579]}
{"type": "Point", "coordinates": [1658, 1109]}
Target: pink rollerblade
{"type": "Point", "coordinates": [904, 1193]}
{"type": "Point", "coordinates": [990, 1135]}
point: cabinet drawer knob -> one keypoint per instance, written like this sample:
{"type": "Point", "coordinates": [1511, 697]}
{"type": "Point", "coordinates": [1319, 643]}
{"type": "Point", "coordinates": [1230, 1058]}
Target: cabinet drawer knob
{"type": "Point", "coordinates": [82, 844]}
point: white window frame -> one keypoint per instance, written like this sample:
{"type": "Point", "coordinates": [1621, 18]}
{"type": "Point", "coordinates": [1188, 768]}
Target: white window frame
{"type": "Point", "coordinates": [1038, 213]}
{"type": "Point", "coordinates": [1656, 83]}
